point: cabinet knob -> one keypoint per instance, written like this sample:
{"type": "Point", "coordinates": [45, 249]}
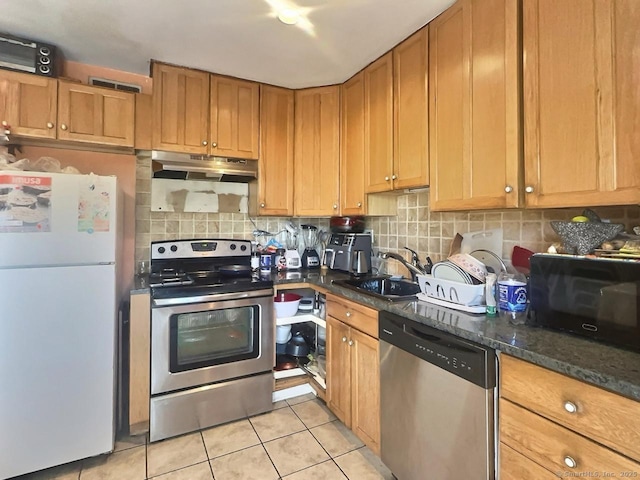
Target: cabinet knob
{"type": "Point", "coordinates": [344, 339]}
{"type": "Point", "coordinates": [214, 144]}
{"type": "Point", "coordinates": [49, 125]}
{"type": "Point", "coordinates": [63, 126]}
{"type": "Point", "coordinates": [359, 204]}
{"type": "Point", "coordinates": [262, 205]}
{"type": "Point", "coordinates": [386, 179]}
{"type": "Point", "coordinates": [351, 343]}
{"type": "Point", "coordinates": [393, 177]}
{"type": "Point", "coordinates": [204, 143]}
{"type": "Point", "coordinates": [5, 123]}
{"type": "Point", "coordinates": [570, 407]}
{"type": "Point", "coordinates": [528, 189]}
{"type": "Point", "coordinates": [570, 462]}
{"type": "Point", "coordinates": [335, 206]}
{"type": "Point", "coordinates": [508, 189]}
{"type": "Point", "coordinates": [348, 314]}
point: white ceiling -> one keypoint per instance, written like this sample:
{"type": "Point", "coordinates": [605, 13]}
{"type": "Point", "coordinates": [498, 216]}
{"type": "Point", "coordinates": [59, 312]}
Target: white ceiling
{"type": "Point", "coordinates": [241, 38]}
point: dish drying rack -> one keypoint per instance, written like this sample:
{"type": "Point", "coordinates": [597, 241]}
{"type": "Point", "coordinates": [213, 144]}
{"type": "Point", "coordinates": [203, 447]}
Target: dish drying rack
{"type": "Point", "coordinates": [451, 294]}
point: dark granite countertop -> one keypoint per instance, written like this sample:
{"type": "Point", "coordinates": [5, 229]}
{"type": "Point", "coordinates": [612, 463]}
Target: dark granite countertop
{"type": "Point", "coordinates": [609, 367]}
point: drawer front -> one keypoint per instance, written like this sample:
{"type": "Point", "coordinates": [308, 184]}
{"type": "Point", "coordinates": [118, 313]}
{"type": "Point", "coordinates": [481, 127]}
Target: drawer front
{"type": "Point", "coordinates": [603, 416]}
{"type": "Point", "coordinates": [353, 314]}
{"type": "Point", "coordinates": [515, 466]}
{"type": "Point", "coordinates": [555, 447]}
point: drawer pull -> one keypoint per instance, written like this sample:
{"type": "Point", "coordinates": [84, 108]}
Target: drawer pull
{"type": "Point", "coordinates": [348, 314]}
{"type": "Point", "coordinates": [344, 339]}
{"type": "Point", "coordinates": [351, 343]}
{"type": "Point", "coordinates": [570, 407]}
{"type": "Point", "coordinates": [570, 462]}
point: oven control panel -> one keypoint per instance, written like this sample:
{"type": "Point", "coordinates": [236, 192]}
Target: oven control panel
{"type": "Point", "coordinates": [172, 249]}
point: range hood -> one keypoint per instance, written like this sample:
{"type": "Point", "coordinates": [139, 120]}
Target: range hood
{"type": "Point", "coordinates": [202, 167]}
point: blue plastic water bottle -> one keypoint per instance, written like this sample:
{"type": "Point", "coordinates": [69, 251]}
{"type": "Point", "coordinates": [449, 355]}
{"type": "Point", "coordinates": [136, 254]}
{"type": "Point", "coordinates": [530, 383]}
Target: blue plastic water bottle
{"type": "Point", "coordinates": [512, 297]}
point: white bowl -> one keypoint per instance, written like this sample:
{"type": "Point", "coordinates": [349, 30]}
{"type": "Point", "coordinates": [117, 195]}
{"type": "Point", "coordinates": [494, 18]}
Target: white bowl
{"type": "Point", "coordinates": [286, 304]}
{"type": "Point", "coordinates": [283, 333]}
{"type": "Point", "coordinates": [455, 292]}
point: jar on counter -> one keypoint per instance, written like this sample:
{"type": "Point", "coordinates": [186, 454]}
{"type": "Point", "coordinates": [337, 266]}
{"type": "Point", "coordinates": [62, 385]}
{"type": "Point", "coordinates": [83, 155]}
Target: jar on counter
{"type": "Point", "coordinates": [281, 259]}
{"type": "Point", "coordinates": [255, 261]}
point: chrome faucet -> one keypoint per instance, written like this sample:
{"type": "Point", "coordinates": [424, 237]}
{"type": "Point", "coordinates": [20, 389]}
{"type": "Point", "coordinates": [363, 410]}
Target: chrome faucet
{"type": "Point", "coordinates": [413, 268]}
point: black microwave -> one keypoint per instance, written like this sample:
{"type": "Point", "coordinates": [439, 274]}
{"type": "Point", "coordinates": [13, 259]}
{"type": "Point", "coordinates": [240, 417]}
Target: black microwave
{"type": "Point", "coordinates": [28, 56]}
{"type": "Point", "coordinates": [595, 297]}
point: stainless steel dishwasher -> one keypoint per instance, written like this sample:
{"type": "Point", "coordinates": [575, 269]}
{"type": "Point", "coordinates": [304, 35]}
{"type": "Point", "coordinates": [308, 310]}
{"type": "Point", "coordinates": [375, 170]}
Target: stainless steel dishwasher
{"type": "Point", "coordinates": [437, 403]}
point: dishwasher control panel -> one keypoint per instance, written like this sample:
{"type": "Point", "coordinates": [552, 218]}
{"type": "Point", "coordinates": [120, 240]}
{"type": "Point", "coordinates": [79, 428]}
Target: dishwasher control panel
{"type": "Point", "coordinates": [471, 361]}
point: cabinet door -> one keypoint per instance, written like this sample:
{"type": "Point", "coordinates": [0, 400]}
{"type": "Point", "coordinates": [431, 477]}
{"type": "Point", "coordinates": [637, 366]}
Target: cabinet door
{"type": "Point", "coordinates": [275, 180]}
{"type": "Point", "coordinates": [378, 90]}
{"type": "Point", "coordinates": [352, 197]}
{"type": "Point", "coordinates": [338, 370]}
{"type": "Point", "coordinates": [317, 151]}
{"type": "Point", "coordinates": [515, 466]}
{"type": "Point", "coordinates": [95, 115]}
{"type": "Point", "coordinates": [235, 117]}
{"type": "Point", "coordinates": [581, 102]}
{"type": "Point", "coordinates": [180, 109]}
{"type": "Point", "coordinates": [474, 110]}
{"type": "Point", "coordinates": [365, 389]}
{"type": "Point", "coordinates": [410, 99]}
{"type": "Point", "coordinates": [28, 104]}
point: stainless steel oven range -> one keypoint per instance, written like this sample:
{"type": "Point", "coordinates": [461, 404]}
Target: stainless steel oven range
{"type": "Point", "coordinates": [212, 336]}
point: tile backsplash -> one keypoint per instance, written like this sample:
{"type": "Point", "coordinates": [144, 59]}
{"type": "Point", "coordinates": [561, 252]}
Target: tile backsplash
{"type": "Point", "coordinates": [415, 226]}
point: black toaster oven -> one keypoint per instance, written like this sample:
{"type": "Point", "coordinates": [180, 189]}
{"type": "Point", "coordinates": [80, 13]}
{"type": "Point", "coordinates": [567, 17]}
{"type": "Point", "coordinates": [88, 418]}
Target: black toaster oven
{"type": "Point", "coordinates": [28, 56]}
{"type": "Point", "coordinates": [595, 297]}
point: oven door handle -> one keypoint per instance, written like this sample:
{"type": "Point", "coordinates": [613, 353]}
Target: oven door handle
{"type": "Point", "coordinates": [166, 302]}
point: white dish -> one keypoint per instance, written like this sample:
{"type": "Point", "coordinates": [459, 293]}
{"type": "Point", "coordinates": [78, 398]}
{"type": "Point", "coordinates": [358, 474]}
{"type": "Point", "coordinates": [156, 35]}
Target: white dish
{"type": "Point", "coordinates": [446, 270]}
{"type": "Point", "coordinates": [470, 265]}
{"type": "Point", "coordinates": [490, 259]}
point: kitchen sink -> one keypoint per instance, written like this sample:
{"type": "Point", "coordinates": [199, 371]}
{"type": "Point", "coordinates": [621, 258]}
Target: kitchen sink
{"type": "Point", "coordinates": [382, 287]}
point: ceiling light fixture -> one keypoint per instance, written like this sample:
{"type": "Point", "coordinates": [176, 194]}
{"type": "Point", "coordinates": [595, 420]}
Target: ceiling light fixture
{"type": "Point", "coordinates": [289, 16]}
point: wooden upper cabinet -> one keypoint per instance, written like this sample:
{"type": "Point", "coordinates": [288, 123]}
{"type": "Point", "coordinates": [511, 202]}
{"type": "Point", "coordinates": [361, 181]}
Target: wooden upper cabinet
{"type": "Point", "coordinates": [581, 102]}
{"type": "Point", "coordinates": [95, 115]}
{"type": "Point", "coordinates": [180, 109]}
{"type": "Point", "coordinates": [411, 109]}
{"type": "Point", "coordinates": [378, 92]}
{"type": "Point", "coordinates": [352, 162]}
{"type": "Point", "coordinates": [317, 151]}
{"type": "Point", "coordinates": [275, 180]}
{"type": "Point", "coordinates": [475, 138]}
{"type": "Point", "coordinates": [28, 104]}
{"type": "Point", "coordinates": [235, 117]}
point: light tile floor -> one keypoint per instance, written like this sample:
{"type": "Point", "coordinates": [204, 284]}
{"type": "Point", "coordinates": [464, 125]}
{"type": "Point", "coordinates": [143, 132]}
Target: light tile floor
{"type": "Point", "coordinates": [299, 440]}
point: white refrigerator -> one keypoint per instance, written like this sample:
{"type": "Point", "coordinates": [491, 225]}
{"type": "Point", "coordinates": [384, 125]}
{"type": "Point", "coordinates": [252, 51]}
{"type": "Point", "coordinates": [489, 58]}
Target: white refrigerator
{"type": "Point", "coordinates": [59, 243]}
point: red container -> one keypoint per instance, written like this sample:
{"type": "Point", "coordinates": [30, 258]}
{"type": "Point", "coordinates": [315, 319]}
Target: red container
{"type": "Point", "coordinates": [347, 224]}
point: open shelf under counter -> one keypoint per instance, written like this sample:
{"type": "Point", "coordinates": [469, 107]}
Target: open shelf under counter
{"type": "Point", "coordinates": [300, 318]}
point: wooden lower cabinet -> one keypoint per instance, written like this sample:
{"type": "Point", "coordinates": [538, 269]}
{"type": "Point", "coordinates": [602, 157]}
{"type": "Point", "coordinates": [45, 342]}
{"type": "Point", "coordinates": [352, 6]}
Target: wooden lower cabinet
{"type": "Point", "coordinates": [139, 362]}
{"type": "Point", "coordinates": [552, 425]}
{"type": "Point", "coordinates": [353, 380]}
{"type": "Point", "coordinates": [515, 466]}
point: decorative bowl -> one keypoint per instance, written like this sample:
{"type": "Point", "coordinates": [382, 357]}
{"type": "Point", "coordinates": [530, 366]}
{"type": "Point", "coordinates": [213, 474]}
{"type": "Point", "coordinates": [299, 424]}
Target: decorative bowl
{"type": "Point", "coordinates": [471, 265]}
{"type": "Point", "coordinates": [583, 237]}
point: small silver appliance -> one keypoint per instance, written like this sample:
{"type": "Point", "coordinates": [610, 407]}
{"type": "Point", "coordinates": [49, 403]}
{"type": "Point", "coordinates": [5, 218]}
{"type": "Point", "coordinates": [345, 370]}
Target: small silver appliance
{"type": "Point", "coordinates": [349, 252]}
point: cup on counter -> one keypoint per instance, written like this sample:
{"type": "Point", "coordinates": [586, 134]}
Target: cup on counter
{"type": "Point", "coordinates": [143, 267]}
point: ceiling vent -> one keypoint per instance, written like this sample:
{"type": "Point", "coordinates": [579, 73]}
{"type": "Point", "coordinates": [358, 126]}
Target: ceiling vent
{"type": "Point", "coordinates": [112, 84]}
